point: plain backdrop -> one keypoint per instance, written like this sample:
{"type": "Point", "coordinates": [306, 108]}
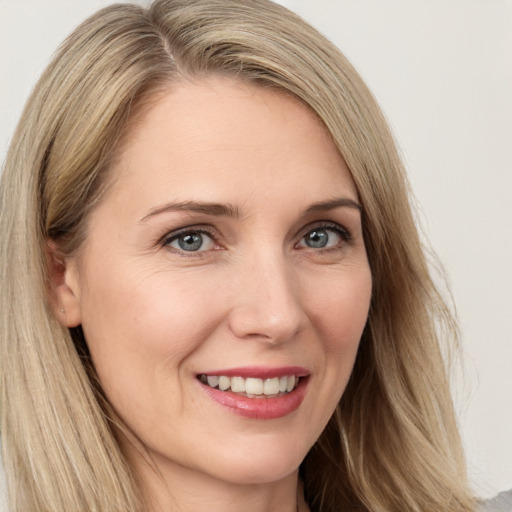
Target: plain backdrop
{"type": "Point", "coordinates": [442, 71]}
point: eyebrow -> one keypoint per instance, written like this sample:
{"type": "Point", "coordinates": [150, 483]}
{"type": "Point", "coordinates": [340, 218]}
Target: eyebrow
{"type": "Point", "coordinates": [324, 206]}
{"type": "Point", "coordinates": [229, 210]}
{"type": "Point", "coordinates": [215, 209]}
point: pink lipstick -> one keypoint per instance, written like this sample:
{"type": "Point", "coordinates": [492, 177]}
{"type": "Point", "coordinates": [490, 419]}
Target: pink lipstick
{"type": "Point", "coordinates": [257, 392]}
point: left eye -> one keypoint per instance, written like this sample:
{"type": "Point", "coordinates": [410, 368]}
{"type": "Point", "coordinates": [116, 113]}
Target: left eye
{"type": "Point", "coordinates": [191, 241]}
{"type": "Point", "coordinates": [321, 238]}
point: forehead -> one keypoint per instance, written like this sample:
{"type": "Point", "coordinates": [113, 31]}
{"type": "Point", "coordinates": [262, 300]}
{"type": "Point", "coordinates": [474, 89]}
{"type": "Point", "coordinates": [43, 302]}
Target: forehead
{"type": "Point", "coordinates": [222, 131]}
{"type": "Point", "coordinates": [229, 103]}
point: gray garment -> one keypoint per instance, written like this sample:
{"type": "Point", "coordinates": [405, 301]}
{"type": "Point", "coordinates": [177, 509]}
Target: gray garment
{"type": "Point", "coordinates": [501, 503]}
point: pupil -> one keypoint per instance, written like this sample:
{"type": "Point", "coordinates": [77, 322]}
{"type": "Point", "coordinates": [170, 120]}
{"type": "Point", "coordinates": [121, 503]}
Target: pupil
{"type": "Point", "coordinates": [190, 242]}
{"type": "Point", "coordinates": [317, 239]}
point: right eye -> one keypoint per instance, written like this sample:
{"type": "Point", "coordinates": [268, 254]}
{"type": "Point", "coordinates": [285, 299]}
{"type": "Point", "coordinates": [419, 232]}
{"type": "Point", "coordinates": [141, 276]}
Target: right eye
{"type": "Point", "coordinates": [191, 241]}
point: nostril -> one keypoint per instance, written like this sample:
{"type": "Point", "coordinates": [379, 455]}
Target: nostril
{"type": "Point", "coordinates": [259, 324]}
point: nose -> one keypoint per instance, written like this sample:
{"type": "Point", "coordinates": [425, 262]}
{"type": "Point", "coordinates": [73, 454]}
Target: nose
{"type": "Point", "coordinates": [267, 300]}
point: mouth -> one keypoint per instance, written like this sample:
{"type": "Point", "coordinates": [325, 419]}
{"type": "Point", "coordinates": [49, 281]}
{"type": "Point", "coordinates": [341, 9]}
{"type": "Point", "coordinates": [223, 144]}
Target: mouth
{"type": "Point", "coordinates": [257, 392]}
{"type": "Point", "coordinates": [252, 387]}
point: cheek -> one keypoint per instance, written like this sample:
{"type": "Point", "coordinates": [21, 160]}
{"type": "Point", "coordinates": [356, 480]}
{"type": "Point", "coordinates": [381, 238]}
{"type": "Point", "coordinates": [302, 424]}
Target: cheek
{"type": "Point", "coordinates": [340, 308]}
{"type": "Point", "coordinates": [341, 313]}
{"type": "Point", "coordinates": [140, 331]}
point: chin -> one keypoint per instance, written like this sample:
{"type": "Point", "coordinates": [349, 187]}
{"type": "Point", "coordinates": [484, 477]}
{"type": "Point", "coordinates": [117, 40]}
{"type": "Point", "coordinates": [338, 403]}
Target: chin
{"type": "Point", "coordinates": [259, 474]}
{"type": "Point", "coordinates": [263, 464]}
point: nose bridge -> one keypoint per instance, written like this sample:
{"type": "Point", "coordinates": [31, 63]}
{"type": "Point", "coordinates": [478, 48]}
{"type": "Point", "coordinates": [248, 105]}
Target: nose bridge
{"type": "Point", "coordinates": [268, 297]}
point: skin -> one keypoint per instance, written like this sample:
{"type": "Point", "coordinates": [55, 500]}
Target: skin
{"type": "Point", "coordinates": [255, 294]}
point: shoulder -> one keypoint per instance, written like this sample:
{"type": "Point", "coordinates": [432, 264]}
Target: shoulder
{"type": "Point", "coordinates": [501, 503]}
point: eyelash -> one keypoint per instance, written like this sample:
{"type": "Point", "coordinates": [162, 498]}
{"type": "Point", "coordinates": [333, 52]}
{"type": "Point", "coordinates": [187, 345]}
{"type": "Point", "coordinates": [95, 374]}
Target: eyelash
{"type": "Point", "coordinates": [340, 230]}
{"type": "Point", "coordinates": [190, 230]}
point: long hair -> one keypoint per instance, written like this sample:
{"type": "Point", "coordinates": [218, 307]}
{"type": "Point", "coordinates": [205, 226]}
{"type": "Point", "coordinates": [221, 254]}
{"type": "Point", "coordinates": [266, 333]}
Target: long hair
{"type": "Point", "coordinates": [392, 444]}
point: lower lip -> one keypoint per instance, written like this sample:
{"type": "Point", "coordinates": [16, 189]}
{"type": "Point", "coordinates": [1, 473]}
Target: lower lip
{"type": "Point", "coordinates": [259, 408]}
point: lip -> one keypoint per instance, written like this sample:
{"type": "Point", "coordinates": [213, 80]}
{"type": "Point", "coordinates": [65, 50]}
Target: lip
{"type": "Point", "coordinates": [259, 408]}
{"type": "Point", "coordinates": [260, 372]}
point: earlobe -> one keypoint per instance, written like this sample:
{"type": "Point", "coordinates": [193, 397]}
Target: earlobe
{"type": "Point", "coordinates": [64, 286]}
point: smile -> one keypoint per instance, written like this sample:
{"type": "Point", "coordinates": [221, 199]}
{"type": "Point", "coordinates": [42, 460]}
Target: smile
{"type": "Point", "coordinates": [257, 392]}
{"type": "Point", "coordinates": [252, 387]}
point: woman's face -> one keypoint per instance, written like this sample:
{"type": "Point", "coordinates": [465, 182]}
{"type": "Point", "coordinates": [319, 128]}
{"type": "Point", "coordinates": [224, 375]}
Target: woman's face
{"type": "Point", "coordinates": [227, 252]}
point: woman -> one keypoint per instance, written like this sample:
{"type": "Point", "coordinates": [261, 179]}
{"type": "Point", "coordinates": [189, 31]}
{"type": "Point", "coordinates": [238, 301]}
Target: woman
{"type": "Point", "coordinates": [214, 293]}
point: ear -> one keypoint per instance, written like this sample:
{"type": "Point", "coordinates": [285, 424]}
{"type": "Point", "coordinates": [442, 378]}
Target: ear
{"type": "Point", "coordinates": [64, 286]}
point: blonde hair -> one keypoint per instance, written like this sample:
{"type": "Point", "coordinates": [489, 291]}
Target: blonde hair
{"type": "Point", "coordinates": [392, 443]}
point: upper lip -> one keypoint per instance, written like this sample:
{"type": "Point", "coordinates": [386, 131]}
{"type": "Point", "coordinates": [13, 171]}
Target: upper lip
{"type": "Point", "coordinates": [261, 372]}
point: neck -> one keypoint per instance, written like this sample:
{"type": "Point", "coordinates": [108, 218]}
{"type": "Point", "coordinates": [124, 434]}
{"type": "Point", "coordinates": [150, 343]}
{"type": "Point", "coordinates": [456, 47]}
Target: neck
{"type": "Point", "coordinates": [167, 486]}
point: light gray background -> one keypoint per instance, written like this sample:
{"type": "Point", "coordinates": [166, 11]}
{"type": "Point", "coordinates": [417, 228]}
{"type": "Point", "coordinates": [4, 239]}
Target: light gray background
{"type": "Point", "coordinates": [442, 71]}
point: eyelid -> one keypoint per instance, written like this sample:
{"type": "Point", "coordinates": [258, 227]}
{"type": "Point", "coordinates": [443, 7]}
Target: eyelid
{"type": "Point", "coordinates": [326, 224]}
{"type": "Point", "coordinates": [201, 228]}
{"type": "Point", "coordinates": [210, 231]}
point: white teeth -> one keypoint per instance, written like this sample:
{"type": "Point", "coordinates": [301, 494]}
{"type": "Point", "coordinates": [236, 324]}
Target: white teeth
{"type": "Point", "coordinates": [224, 383]}
{"type": "Point", "coordinates": [238, 385]}
{"type": "Point", "coordinates": [271, 386]}
{"type": "Point", "coordinates": [252, 386]}
{"type": "Point", "coordinates": [213, 381]}
{"type": "Point", "coordinates": [291, 383]}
